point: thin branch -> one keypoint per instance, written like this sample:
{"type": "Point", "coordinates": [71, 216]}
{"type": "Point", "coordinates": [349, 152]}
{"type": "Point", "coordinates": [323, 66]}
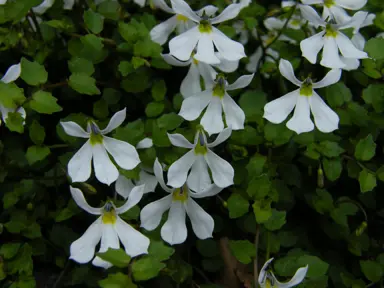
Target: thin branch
{"type": "Point", "coordinates": [255, 264]}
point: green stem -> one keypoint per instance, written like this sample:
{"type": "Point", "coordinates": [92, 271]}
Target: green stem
{"type": "Point", "coordinates": [58, 146]}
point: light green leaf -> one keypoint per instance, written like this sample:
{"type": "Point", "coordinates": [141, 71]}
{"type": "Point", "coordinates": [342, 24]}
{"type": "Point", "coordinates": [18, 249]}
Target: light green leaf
{"type": "Point", "coordinates": [332, 168]}
{"type": "Point", "coordinates": [374, 47]}
{"type": "Point", "coordinates": [243, 250]}
{"type": "Point", "coordinates": [94, 21]}
{"type": "Point", "coordinates": [117, 280]}
{"type": "Point", "coordinates": [36, 154]}
{"type": "Point", "coordinates": [83, 84]}
{"type": "Point", "coordinates": [154, 109]}
{"type": "Point", "coordinates": [276, 221]}
{"type": "Point", "coordinates": [81, 65]}
{"type": "Point", "coordinates": [256, 165]}
{"type": "Point", "coordinates": [146, 268]}
{"type": "Point", "coordinates": [367, 181]}
{"type": "Point", "coordinates": [33, 73]}
{"type": "Point", "coordinates": [15, 122]}
{"type": "Point", "coordinates": [372, 270]}
{"type": "Point", "coordinates": [43, 102]}
{"type": "Point", "coordinates": [365, 149]}
{"type": "Point", "coordinates": [316, 266]}
{"type": "Point", "coordinates": [125, 68]}
{"type": "Point", "coordinates": [169, 121]}
{"type": "Point", "coordinates": [160, 251]}
{"type": "Point", "coordinates": [237, 205]}
{"type": "Point", "coordinates": [9, 250]}
{"type": "Point", "coordinates": [36, 133]}
{"type": "Point", "coordinates": [262, 211]}
{"type": "Point", "coordinates": [117, 257]}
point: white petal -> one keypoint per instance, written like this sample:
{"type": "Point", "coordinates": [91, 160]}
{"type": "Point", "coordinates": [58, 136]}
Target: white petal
{"type": "Point", "coordinates": [162, 5]}
{"type": "Point", "coordinates": [116, 120]}
{"type": "Point", "coordinates": [212, 120]}
{"type": "Point", "coordinates": [148, 180]}
{"type": "Point", "coordinates": [73, 129]}
{"type": "Point", "coordinates": [278, 110]}
{"type": "Point", "coordinates": [351, 4]}
{"type": "Point", "coordinates": [105, 170]}
{"type": "Point", "coordinates": [191, 83]}
{"type": "Point", "coordinates": [5, 111]}
{"type": "Point", "coordinates": [124, 154]}
{"type": "Point", "coordinates": [340, 15]}
{"type": "Point", "coordinates": [225, 65]}
{"type": "Point", "coordinates": [78, 197]}
{"type": "Point", "coordinates": [173, 61]}
{"type": "Point", "coordinates": [151, 214]}
{"type": "Point", "coordinates": [208, 10]}
{"type": "Point", "coordinates": [182, 46]}
{"type": "Point", "coordinates": [202, 222]}
{"type": "Point", "coordinates": [356, 21]}
{"type": "Point", "coordinates": [301, 121]}
{"type": "Point", "coordinates": [68, 4]}
{"type": "Point", "coordinates": [174, 230]}
{"type": "Point", "coordinates": [241, 82]}
{"type": "Point", "coordinates": [109, 239]}
{"type": "Point", "coordinates": [326, 119]}
{"type": "Point", "coordinates": [296, 279]}
{"type": "Point", "coordinates": [234, 115]}
{"type": "Point", "coordinates": [311, 15]}
{"type": "Point", "coordinates": [331, 56]}
{"type": "Point", "coordinates": [331, 78]}
{"type": "Point", "coordinates": [134, 198]}
{"type": "Point", "coordinates": [359, 41]}
{"type": "Point", "coordinates": [311, 46]}
{"type": "Point", "coordinates": [133, 241]}
{"type": "Point", "coordinates": [273, 23]}
{"type": "Point", "coordinates": [158, 170]}
{"type": "Point", "coordinates": [263, 271]}
{"type": "Point", "coordinates": [145, 143]}
{"type": "Point", "coordinates": [2, 2]}
{"type": "Point", "coordinates": [222, 171]}
{"type": "Point", "coordinates": [347, 48]}
{"type": "Point", "coordinates": [205, 50]}
{"type": "Point", "coordinates": [181, 7]}
{"type": "Point", "coordinates": [12, 74]}
{"type": "Point", "coordinates": [286, 70]}
{"type": "Point", "coordinates": [161, 32]}
{"type": "Point", "coordinates": [83, 249]}
{"type": "Point", "coordinates": [254, 60]}
{"type": "Point", "coordinates": [177, 173]}
{"type": "Point", "coordinates": [311, 2]}
{"type": "Point", "coordinates": [124, 186]}
{"type": "Point", "coordinates": [179, 140]}
{"type": "Point", "coordinates": [228, 49]}
{"type": "Point", "coordinates": [208, 73]}
{"type": "Point", "coordinates": [40, 9]}
{"type": "Point", "coordinates": [350, 63]}
{"type": "Point", "coordinates": [192, 107]}
{"type": "Point", "coordinates": [228, 13]}
{"type": "Point", "coordinates": [209, 191]}
{"type": "Point", "coordinates": [224, 135]}
{"type": "Point", "coordinates": [79, 167]}
{"type": "Point", "coordinates": [199, 177]}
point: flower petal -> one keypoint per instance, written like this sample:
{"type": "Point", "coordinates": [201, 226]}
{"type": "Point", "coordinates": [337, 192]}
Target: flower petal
{"type": "Point", "coordinates": [141, 3]}
{"type": "Point", "coordinates": [205, 50]}
{"type": "Point", "coordinates": [311, 46]}
{"type": "Point", "coordinates": [228, 13]}
{"type": "Point", "coordinates": [182, 45]}
{"type": "Point", "coordinates": [122, 152]}
{"type": "Point", "coordinates": [355, 22]}
{"type": "Point", "coordinates": [359, 41]}
{"type": "Point", "coordinates": [182, 7]}
{"type": "Point", "coordinates": [296, 279]}
{"type": "Point", "coordinates": [79, 167]}
{"type": "Point", "coordinates": [134, 198]}
{"type": "Point", "coordinates": [105, 170]}
{"type": "Point", "coordinates": [74, 129]}
{"type": "Point", "coordinates": [225, 65]}
{"type": "Point", "coordinates": [191, 83]}
{"type": "Point", "coordinates": [338, 13]}
{"type": "Point", "coordinates": [174, 230]}
{"type": "Point", "coordinates": [12, 74]}
{"type": "Point", "coordinates": [145, 143]}
{"type": "Point", "coordinates": [163, 6]}
{"type": "Point", "coordinates": [68, 4]}
{"type": "Point", "coordinates": [83, 249]}
{"type": "Point", "coordinates": [109, 239]}
{"type": "Point", "coordinates": [234, 115]}
{"type": "Point", "coordinates": [175, 62]}
{"type": "Point", "coordinates": [133, 241]}
{"type": "Point", "coordinates": [351, 4]}
{"type": "Point", "coordinates": [209, 191]}
{"type": "Point", "coordinates": [198, 178]}
{"type": "Point", "coordinates": [228, 49]}
{"type": "Point", "coordinates": [241, 82]}
{"type": "Point", "coordinates": [179, 140]}
{"type": "Point", "coordinates": [43, 7]}
{"type": "Point", "coordinates": [208, 10]}
{"type": "Point", "coordinates": [326, 119]}
{"type": "Point", "coordinates": [202, 222]}
{"type": "Point", "coordinates": [273, 23]}
{"type": "Point", "coordinates": [148, 180]}
{"type": "Point", "coordinates": [331, 78]}
{"type": "Point", "coordinates": [222, 171]}
{"type": "Point", "coordinates": [278, 110]}
{"type": "Point", "coordinates": [350, 63]}
{"type": "Point", "coordinates": [78, 197]}
{"type": "Point", "coordinates": [177, 173]}
{"type": "Point", "coordinates": [151, 214]}
{"type": "Point", "coordinates": [331, 57]}
{"type": "Point", "coordinates": [286, 70]}
{"type": "Point", "coordinates": [312, 2]}
{"type": "Point", "coordinates": [192, 107]}
{"type": "Point", "coordinates": [161, 32]}
{"type": "Point", "coordinates": [263, 271]}
{"type": "Point", "coordinates": [301, 120]}
{"type": "Point", "coordinates": [158, 170]}
{"type": "Point", "coordinates": [212, 120]}
{"type": "Point", "coordinates": [311, 15]}
{"type": "Point", "coordinates": [124, 186]}
{"type": "Point", "coordinates": [224, 135]}
{"type": "Point", "coordinates": [347, 48]}
{"type": "Point", "coordinates": [116, 120]}
{"type": "Point", "coordinates": [208, 73]}
{"type": "Point", "coordinates": [254, 60]}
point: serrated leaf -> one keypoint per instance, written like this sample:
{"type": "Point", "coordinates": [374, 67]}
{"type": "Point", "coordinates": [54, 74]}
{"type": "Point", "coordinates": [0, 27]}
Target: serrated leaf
{"type": "Point", "coordinates": [117, 257]}
{"type": "Point", "coordinates": [367, 181]}
{"type": "Point", "coordinates": [374, 47]}
{"type": "Point", "coordinates": [37, 153]}
{"type": "Point", "coordinates": [160, 251]}
{"type": "Point", "coordinates": [237, 205]}
{"type": "Point", "coordinates": [83, 84]}
{"type": "Point", "coordinates": [365, 149]}
{"type": "Point", "coordinates": [117, 280]}
{"type": "Point", "coordinates": [146, 268]}
{"type": "Point", "coordinates": [243, 250]}
{"type": "Point", "coordinates": [94, 21]}
{"type": "Point", "coordinates": [43, 102]}
{"type": "Point", "coordinates": [33, 73]}
{"type": "Point", "coordinates": [81, 65]}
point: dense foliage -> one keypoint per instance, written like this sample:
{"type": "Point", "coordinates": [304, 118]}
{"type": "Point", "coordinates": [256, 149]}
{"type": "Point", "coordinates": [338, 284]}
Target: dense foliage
{"type": "Point", "coordinates": [304, 199]}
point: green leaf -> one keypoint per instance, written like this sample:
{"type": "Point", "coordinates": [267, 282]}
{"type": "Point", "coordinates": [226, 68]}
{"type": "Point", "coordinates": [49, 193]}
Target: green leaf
{"type": "Point", "coordinates": [43, 102]}
{"type": "Point", "coordinates": [243, 250]}
{"type": "Point", "coordinates": [100, 109]}
{"type": "Point", "coordinates": [11, 96]}
{"type": "Point", "coordinates": [146, 48]}
{"type": "Point", "coordinates": [160, 251]}
{"type": "Point", "coordinates": [169, 121]}
{"type": "Point", "coordinates": [262, 211]}
{"type": "Point", "coordinates": [256, 165]}
{"type": "Point", "coordinates": [322, 201]}
{"type": "Point", "coordinates": [125, 68]}
{"type": "Point", "coordinates": [329, 149]}
{"type": "Point", "coordinates": [37, 153]}
{"type": "Point", "coordinates": [372, 270]}
{"type": "Point", "coordinates": [374, 95]}
{"type": "Point", "coordinates": [110, 10]}
{"type": "Point", "coordinates": [277, 134]}
{"type": "Point", "coordinates": [36, 133]}
{"type": "Point", "coordinates": [136, 82]}
{"type": "Point", "coordinates": [252, 103]}
{"type": "Point", "coordinates": [367, 181]}
{"type": "Point", "coordinates": [207, 248]}
{"type": "Point", "coordinates": [374, 47]}
{"type": "Point", "coordinates": [9, 250]}
{"type": "Point", "coordinates": [159, 89]}
{"type": "Point", "coordinates": [117, 257]}
{"type": "Point", "coordinates": [154, 109]}
{"type": "Point", "coordinates": [83, 84]}
{"type": "Point", "coordinates": [316, 266]}
{"type": "Point", "coordinates": [365, 149]}
{"type": "Point", "coordinates": [259, 187]}
{"type": "Point", "coordinates": [117, 280]}
{"type": "Point", "coordinates": [338, 94]}
{"type": "Point", "coordinates": [237, 205]}
{"type": "Point", "coordinates": [81, 65]}
{"type": "Point", "coordinates": [276, 221]}
{"type": "Point", "coordinates": [15, 122]}
{"type": "Point", "coordinates": [332, 168]}
{"type": "Point", "coordinates": [138, 62]}
{"type": "Point", "coordinates": [341, 212]}
{"type": "Point", "coordinates": [146, 268]}
{"type": "Point", "coordinates": [33, 73]}
{"type": "Point", "coordinates": [94, 21]}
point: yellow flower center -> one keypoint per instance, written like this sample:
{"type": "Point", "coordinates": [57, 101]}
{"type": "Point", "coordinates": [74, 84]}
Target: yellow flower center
{"type": "Point", "coordinates": [180, 194]}
{"type": "Point", "coordinates": [205, 26]}
{"type": "Point", "coordinates": [219, 88]}
{"type": "Point", "coordinates": [306, 89]}
{"type": "Point", "coordinates": [329, 3]}
{"type": "Point", "coordinates": [96, 137]}
{"type": "Point", "coordinates": [295, 22]}
{"type": "Point", "coordinates": [109, 215]}
{"type": "Point", "coordinates": [181, 18]}
{"type": "Point", "coordinates": [201, 147]}
{"type": "Point", "coordinates": [330, 32]}
{"type": "Point", "coordinates": [268, 284]}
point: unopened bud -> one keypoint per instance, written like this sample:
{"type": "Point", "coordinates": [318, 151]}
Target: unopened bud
{"type": "Point", "coordinates": [320, 177]}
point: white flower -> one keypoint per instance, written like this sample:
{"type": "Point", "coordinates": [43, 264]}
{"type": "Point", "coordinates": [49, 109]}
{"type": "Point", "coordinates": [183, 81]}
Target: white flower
{"type": "Point", "coordinates": [241, 30]}
{"type": "Point", "coordinates": [110, 228]}
{"type": "Point", "coordinates": [124, 186]}
{"type": "Point", "coordinates": [124, 154]}
{"type": "Point", "coordinates": [244, 3]}
{"type": "Point", "coordinates": [68, 4]}
{"type": "Point", "coordinates": [205, 36]}
{"type": "Point", "coordinates": [267, 279]}
{"type": "Point", "coordinates": [305, 99]}
{"type": "Point", "coordinates": [198, 160]}
{"type": "Point", "coordinates": [2, 2]}
{"type": "Point", "coordinates": [11, 75]}
{"type": "Point", "coordinates": [43, 7]}
{"type": "Point", "coordinates": [331, 40]}
{"type": "Point", "coordinates": [191, 83]}
{"type": "Point", "coordinates": [335, 8]}
{"type": "Point", "coordinates": [179, 202]}
{"type": "Point", "coordinates": [217, 99]}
